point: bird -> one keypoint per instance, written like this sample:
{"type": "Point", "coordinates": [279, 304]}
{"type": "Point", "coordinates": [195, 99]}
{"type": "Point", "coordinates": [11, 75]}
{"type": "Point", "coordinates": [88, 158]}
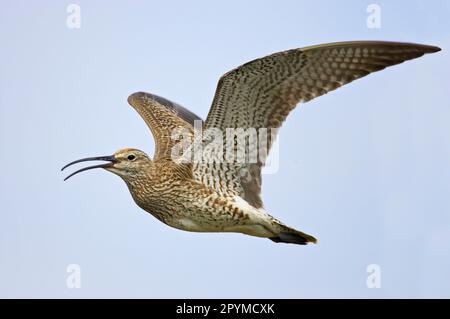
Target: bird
{"type": "Point", "coordinates": [214, 193]}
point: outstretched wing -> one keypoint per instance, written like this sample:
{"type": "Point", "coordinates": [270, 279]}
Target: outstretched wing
{"type": "Point", "coordinates": [167, 120]}
{"type": "Point", "coordinates": [261, 93]}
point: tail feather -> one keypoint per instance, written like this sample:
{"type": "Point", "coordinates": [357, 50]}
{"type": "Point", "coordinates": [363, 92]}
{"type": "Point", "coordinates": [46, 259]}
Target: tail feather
{"type": "Point", "coordinates": [295, 237]}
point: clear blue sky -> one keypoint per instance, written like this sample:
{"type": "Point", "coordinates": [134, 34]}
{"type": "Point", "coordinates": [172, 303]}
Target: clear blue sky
{"type": "Point", "coordinates": [365, 168]}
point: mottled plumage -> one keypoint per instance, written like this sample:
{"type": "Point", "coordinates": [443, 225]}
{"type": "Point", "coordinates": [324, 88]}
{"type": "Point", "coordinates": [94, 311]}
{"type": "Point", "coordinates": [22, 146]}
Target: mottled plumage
{"type": "Point", "coordinates": [213, 196]}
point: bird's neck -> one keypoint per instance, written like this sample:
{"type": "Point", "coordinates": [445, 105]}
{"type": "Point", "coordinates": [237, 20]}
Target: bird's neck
{"type": "Point", "coordinates": [151, 183]}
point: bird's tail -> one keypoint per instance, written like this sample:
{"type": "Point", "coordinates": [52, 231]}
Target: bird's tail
{"type": "Point", "coordinates": [291, 236]}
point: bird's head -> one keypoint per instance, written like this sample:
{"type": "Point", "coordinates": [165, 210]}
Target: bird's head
{"type": "Point", "coordinates": [127, 163]}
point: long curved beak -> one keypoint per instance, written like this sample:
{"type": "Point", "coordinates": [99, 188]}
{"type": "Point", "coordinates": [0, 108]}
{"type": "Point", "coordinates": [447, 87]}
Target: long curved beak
{"type": "Point", "coordinates": [111, 159]}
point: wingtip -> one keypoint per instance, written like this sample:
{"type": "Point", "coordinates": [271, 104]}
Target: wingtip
{"type": "Point", "coordinates": [424, 48]}
{"type": "Point", "coordinates": [311, 240]}
{"type": "Point", "coordinates": [136, 97]}
{"type": "Point", "coordinates": [436, 49]}
{"type": "Point", "coordinates": [431, 48]}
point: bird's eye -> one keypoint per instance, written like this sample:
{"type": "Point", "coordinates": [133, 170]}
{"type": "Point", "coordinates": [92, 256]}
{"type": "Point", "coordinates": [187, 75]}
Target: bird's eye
{"type": "Point", "coordinates": [131, 157]}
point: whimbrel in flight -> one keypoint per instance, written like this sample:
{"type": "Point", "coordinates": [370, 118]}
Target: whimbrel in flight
{"type": "Point", "coordinates": [212, 196]}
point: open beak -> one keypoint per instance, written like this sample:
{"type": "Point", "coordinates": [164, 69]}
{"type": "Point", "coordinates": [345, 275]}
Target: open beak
{"type": "Point", "coordinates": [111, 159]}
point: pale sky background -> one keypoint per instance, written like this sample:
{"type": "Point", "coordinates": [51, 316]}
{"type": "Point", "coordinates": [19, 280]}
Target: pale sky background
{"type": "Point", "coordinates": [365, 168]}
